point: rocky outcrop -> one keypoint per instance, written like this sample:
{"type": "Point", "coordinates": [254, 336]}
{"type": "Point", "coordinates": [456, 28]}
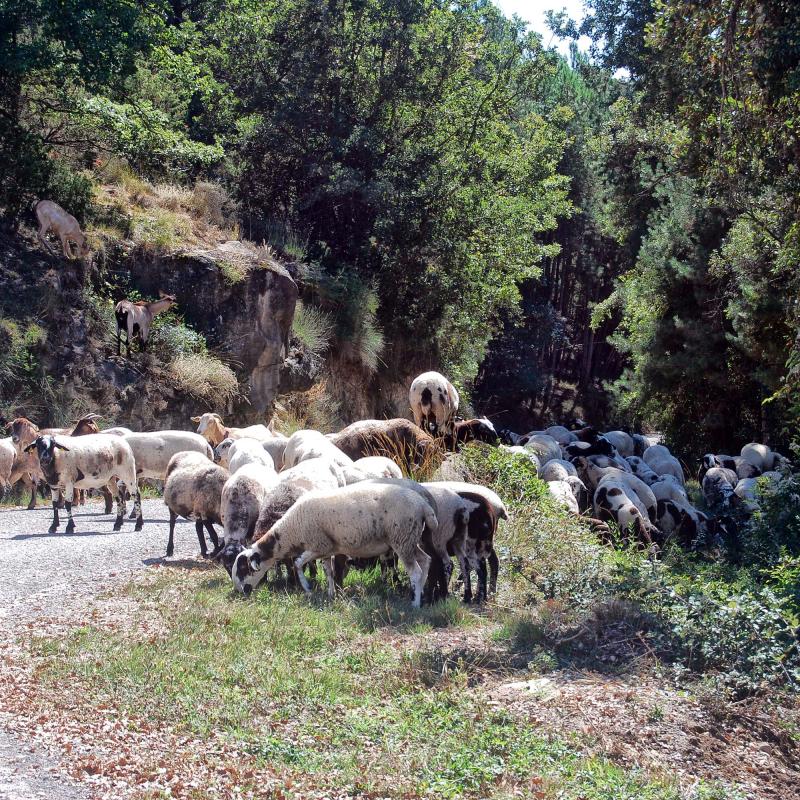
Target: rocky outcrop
{"type": "Point", "coordinates": [240, 299]}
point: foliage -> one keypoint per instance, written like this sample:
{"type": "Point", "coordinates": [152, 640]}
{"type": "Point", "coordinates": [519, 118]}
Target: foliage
{"type": "Point", "coordinates": [312, 327]}
{"type": "Point", "coordinates": [205, 377]}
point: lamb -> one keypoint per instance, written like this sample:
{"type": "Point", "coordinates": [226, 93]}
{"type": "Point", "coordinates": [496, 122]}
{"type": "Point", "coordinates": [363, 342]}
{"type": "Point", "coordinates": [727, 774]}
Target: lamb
{"type": "Point", "coordinates": [362, 520]}
{"type": "Point", "coordinates": [718, 487]}
{"type": "Point", "coordinates": [434, 403]}
{"type": "Point", "coordinates": [290, 485]}
{"type": "Point", "coordinates": [235, 453]}
{"type": "Point", "coordinates": [306, 444]}
{"type": "Point", "coordinates": [398, 439]}
{"type": "Point", "coordinates": [545, 447]}
{"type": "Point", "coordinates": [481, 531]}
{"type": "Point", "coordinates": [193, 489]}
{"type": "Point", "coordinates": [622, 442]}
{"type": "Point", "coordinates": [557, 469]}
{"type": "Point", "coordinates": [87, 462]}
{"type": "Point", "coordinates": [662, 462]}
{"type": "Point", "coordinates": [212, 428]}
{"type": "Point", "coordinates": [135, 319]}
{"type": "Point", "coordinates": [471, 430]}
{"type": "Point", "coordinates": [53, 218]}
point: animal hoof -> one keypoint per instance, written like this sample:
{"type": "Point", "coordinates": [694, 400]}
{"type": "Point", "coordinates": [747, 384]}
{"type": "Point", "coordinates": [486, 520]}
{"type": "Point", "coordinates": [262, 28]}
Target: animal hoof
{"type": "Point", "coordinates": [118, 525]}
{"type": "Point", "coordinates": [70, 528]}
{"type": "Point", "coordinates": [139, 524]}
{"type": "Point", "coordinates": [53, 528]}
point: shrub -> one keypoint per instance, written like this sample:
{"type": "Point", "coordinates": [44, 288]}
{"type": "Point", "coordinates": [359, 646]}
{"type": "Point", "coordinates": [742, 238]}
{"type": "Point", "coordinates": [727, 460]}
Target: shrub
{"type": "Point", "coordinates": [312, 327]}
{"type": "Point", "coordinates": [159, 229]}
{"type": "Point", "coordinates": [170, 336]}
{"type": "Point", "coordinates": [205, 377]}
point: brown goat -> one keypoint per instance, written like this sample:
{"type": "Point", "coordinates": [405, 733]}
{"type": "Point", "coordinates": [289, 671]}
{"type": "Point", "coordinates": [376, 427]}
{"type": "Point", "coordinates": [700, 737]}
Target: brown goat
{"type": "Point", "coordinates": [135, 319]}
{"type": "Point", "coordinates": [53, 218]}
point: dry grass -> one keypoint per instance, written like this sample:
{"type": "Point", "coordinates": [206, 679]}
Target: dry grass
{"type": "Point", "coordinates": [205, 377]}
{"type": "Point", "coordinates": [314, 409]}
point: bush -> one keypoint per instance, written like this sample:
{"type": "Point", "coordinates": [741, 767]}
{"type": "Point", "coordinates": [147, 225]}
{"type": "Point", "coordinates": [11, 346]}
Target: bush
{"type": "Point", "coordinates": [205, 377]}
{"type": "Point", "coordinates": [170, 336]}
{"type": "Point", "coordinates": [312, 327]}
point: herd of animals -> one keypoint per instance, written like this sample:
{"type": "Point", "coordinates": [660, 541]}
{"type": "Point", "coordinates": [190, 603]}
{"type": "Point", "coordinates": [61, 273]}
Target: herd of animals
{"type": "Point", "coordinates": [341, 499]}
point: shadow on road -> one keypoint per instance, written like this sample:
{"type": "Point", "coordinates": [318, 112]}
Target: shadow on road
{"type": "Point", "coordinates": [182, 563]}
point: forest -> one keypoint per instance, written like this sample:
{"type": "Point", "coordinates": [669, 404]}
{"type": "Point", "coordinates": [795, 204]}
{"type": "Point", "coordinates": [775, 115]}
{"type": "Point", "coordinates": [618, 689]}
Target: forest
{"type": "Point", "coordinates": [316, 201]}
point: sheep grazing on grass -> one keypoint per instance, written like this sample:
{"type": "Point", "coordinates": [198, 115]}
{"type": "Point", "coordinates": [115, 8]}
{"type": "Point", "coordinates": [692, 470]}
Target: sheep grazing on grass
{"type": "Point", "coordinates": [52, 217]}
{"type": "Point", "coordinates": [520, 452]}
{"type": "Point", "coordinates": [622, 442]}
{"type": "Point", "coordinates": [760, 456]}
{"type": "Point", "coordinates": [692, 528]}
{"type": "Point", "coordinates": [135, 319]}
{"type": "Point", "coordinates": [561, 434]}
{"type": "Point", "coordinates": [212, 428]}
{"type": "Point", "coordinates": [363, 520]}
{"type": "Point", "coordinates": [557, 469]}
{"type": "Point", "coordinates": [739, 465]}
{"type": "Point", "coordinates": [668, 487]}
{"type": "Point", "coordinates": [276, 447]}
{"type": "Point", "coordinates": [471, 430]}
{"type": "Point", "coordinates": [615, 501]}
{"type": "Point", "coordinates": [545, 447]}
{"type": "Point", "coordinates": [193, 489]}
{"type": "Point", "coordinates": [87, 462]}
{"type": "Point", "coordinates": [599, 446]}
{"type": "Point", "coordinates": [398, 439]}
{"type": "Point", "coordinates": [641, 469]}
{"type": "Point", "coordinates": [434, 403]}
{"type": "Point", "coordinates": [719, 486]}
{"type": "Point", "coordinates": [570, 493]}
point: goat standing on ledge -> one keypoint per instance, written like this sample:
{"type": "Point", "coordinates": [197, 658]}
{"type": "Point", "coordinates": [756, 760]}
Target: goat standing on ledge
{"type": "Point", "coordinates": [135, 319]}
{"type": "Point", "coordinates": [53, 218]}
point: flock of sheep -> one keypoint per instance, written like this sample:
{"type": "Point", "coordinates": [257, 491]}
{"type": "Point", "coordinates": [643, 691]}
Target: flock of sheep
{"type": "Point", "coordinates": [341, 499]}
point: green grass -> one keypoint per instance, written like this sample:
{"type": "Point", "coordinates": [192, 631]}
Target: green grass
{"type": "Point", "coordinates": [321, 690]}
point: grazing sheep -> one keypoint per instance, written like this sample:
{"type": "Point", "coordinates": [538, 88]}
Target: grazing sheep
{"type": "Point", "coordinates": [591, 477]}
{"type": "Point", "coordinates": [615, 501]}
{"type": "Point", "coordinates": [668, 487]}
{"type": "Point", "coordinates": [471, 430]}
{"type": "Point", "coordinates": [307, 444]}
{"type": "Point", "coordinates": [290, 485]}
{"type": "Point", "coordinates": [718, 487]}
{"type": "Point", "coordinates": [87, 462]}
{"type": "Point", "coordinates": [751, 490]}
{"type": "Point", "coordinates": [242, 497]}
{"type": "Point", "coordinates": [640, 492]}
{"type": "Point", "coordinates": [508, 437]}
{"type": "Point", "coordinates": [545, 447]}
{"type": "Point", "coordinates": [398, 439]}
{"type": "Point", "coordinates": [118, 431]}
{"type": "Point", "coordinates": [742, 467]}
{"type": "Point", "coordinates": [621, 441]}
{"type": "Point", "coordinates": [760, 456]}
{"type": "Point", "coordinates": [641, 443]}
{"type": "Point", "coordinates": [557, 469]}
{"type": "Point", "coordinates": [193, 489]}
{"type": "Point", "coordinates": [361, 521]}
{"type": "Point", "coordinates": [211, 427]}
{"type": "Point", "coordinates": [662, 462]}
{"type": "Point", "coordinates": [434, 403]}
{"type": "Point", "coordinates": [562, 494]}
{"type": "Point", "coordinates": [677, 518]}
{"type": "Point", "coordinates": [16, 466]}
{"type": "Point", "coordinates": [135, 319]}
{"type": "Point", "coordinates": [53, 218]}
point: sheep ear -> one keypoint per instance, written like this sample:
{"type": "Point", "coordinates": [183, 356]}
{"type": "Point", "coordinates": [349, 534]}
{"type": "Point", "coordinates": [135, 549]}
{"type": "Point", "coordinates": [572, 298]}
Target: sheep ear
{"type": "Point", "coordinates": [255, 562]}
{"type": "Point", "coordinates": [60, 446]}
{"type": "Point", "coordinates": [195, 419]}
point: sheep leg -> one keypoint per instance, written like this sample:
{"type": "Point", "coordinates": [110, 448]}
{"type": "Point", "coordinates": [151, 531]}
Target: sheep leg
{"type": "Point", "coordinates": [212, 534]}
{"type": "Point", "coordinates": [299, 563]}
{"type": "Point", "coordinates": [120, 506]}
{"type": "Point", "coordinates": [171, 540]}
{"type": "Point", "coordinates": [433, 584]}
{"type": "Point", "coordinates": [467, 578]}
{"type": "Point", "coordinates": [54, 524]}
{"type": "Point", "coordinates": [137, 507]}
{"type": "Point", "coordinates": [328, 567]}
{"type": "Point", "coordinates": [494, 569]}
{"type": "Point", "coordinates": [481, 570]}
{"type": "Point", "coordinates": [198, 526]}
{"type": "Point", "coordinates": [415, 574]}
{"type": "Point", "coordinates": [340, 570]}
{"type": "Point", "coordinates": [30, 483]}
{"type": "Point", "coordinates": [71, 524]}
{"type": "Point", "coordinates": [109, 500]}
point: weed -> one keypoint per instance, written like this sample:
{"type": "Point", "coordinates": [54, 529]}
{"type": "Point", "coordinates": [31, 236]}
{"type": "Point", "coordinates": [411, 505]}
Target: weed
{"type": "Point", "coordinates": [205, 377]}
{"type": "Point", "coordinates": [312, 327]}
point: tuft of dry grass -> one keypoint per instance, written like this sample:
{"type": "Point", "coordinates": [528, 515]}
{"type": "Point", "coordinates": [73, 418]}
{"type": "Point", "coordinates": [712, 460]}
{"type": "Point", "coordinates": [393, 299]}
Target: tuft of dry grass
{"type": "Point", "coordinates": [314, 409]}
{"type": "Point", "coordinates": [205, 377]}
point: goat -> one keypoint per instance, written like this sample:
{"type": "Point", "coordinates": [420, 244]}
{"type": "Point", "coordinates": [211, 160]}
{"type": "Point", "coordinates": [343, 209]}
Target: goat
{"type": "Point", "coordinates": [53, 218]}
{"type": "Point", "coordinates": [135, 319]}
{"type": "Point", "coordinates": [214, 430]}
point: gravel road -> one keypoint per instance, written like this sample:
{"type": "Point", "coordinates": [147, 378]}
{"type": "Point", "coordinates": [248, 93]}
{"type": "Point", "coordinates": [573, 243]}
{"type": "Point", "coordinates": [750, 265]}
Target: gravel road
{"type": "Point", "coordinates": [45, 575]}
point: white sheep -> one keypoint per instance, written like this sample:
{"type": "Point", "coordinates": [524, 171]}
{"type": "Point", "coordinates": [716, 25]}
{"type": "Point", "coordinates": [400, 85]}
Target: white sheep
{"type": "Point", "coordinates": [434, 402]}
{"type": "Point", "coordinates": [641, 469]}
{"type": "Point", "coordinates": [677, 517]}
{"type": "Point", "coordinates": [557, 469]}
{"type": "Point", "coordinates": [718, 487]}
{"type": "Point", "coordinates": [668, 487]}
{"type": "Point", "coordinates": [153, 451]}
{"type": "Point", "coordinates": [276, 447]}
{"type": "Point", "coordinates": [53, 218]}
{"type": "Point", "coordinates": [193, 489]}
{"type": "Point", "coordinates": [248, 451]}
{"type": "Point", "coordinates": [360, 521]}
{"type": "Point", "coordinates": [87, 462]}
{"type": "Point", "coordinates": [563, 495]}
{"type": "Point", "coordinates": [561, 434]}
{"type": "Point", "coordinates": [615, 501]}
{"type": "Point", "coordinates": [640, 493]}
{"type": "Point", "coordinates": [307, 444]}
{"type": "Point", "coordinates": [521, 452]}
{"type": "Point", "coordinates": [242, 497]}
{"type": "Point", "coordinates": [662, 462]}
